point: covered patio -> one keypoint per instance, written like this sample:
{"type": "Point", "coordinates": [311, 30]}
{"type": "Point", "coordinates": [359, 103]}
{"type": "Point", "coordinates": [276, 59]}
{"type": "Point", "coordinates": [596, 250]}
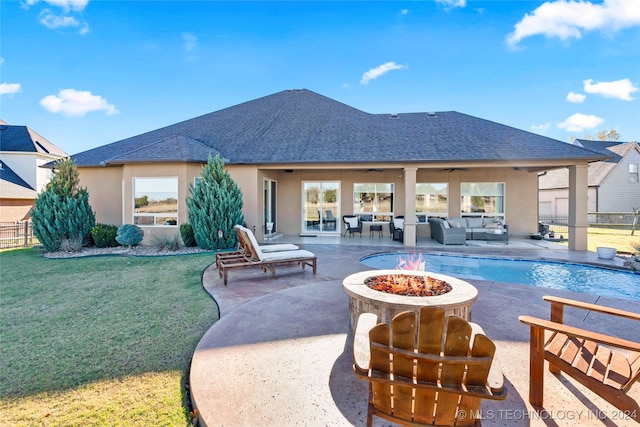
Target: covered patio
{"type": "Point", "coordinates": [281, 352]}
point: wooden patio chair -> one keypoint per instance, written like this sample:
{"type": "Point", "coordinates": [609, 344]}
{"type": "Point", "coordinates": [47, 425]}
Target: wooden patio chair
{"type": "Point", "coordinates": [241, 249]}
{"type": "Point", "coordinates": [254, 256]}
{"type": "Point", "coordinates": [428, 371]}
{"type": "Point", "coordinates": [606, 365]}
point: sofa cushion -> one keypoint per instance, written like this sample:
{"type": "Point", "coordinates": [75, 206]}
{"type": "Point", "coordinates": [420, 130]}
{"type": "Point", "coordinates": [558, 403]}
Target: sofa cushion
{"type": "Point", "coordinates": [474, 222]}
{"type": "Point", "coordinates": [453, 223]}
{"type": "Point", "coordinates": [492, 225]}
{"type": "Point", "coordinates": [353, 222]}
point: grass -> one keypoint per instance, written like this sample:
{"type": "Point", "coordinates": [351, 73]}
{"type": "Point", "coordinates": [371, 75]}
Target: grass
{"type": "Point", "coordinates": [101, 341]}
{"type": "Point", "coordinates": [622, 240]}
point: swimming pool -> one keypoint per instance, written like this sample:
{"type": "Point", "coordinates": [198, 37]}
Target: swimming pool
{"type": "Point", "coordinates": [545, 274]}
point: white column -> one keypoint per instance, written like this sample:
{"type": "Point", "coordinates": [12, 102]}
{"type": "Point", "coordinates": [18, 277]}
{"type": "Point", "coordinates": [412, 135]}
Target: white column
{"type": "Point", "coordinates": [578, 222]}
{"type": "Point", "coordinates": [410, 207]}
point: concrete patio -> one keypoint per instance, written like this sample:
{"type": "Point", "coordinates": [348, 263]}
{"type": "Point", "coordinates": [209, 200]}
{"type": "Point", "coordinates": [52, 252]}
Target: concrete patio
{"type": "Point", "coordinates": [281, 352]}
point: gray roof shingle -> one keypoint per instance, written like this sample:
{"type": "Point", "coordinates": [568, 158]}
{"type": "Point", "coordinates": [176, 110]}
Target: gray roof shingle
{"type": "Point", "coordinates": [22, 139]}
{"type": "Point", "coordinates": [13, 186]}
{"type": "Point", "coordinates": [301, 126]}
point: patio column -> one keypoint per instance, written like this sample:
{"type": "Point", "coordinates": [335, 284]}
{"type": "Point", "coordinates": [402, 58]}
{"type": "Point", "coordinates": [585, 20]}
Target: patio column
{"type": "Point", "coordinates": [578, 223]}
{"type": "Point", "coordinates": [410, 206]}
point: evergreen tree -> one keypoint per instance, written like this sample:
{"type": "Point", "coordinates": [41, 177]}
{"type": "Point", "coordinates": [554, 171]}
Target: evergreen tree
{"type": "Point", "coordinates": [62, 215]}
{"type": "Point", "coordinates": [215, 207]}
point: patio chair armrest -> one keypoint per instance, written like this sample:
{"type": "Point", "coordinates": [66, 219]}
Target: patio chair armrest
{"type": "Point", "coordinates": [361, 349]}
{"type": "Point", "coordinates": [580, 333]}
{"type": "Point", "coordinates": [495, 380]}
{"type": "Point", "coordinates": [592, 307]}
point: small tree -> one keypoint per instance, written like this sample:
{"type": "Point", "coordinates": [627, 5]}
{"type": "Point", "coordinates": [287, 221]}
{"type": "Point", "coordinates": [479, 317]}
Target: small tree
{"type": "Point", "coordinates": [215, 207]}
{"type": "Point", "coordinates": [62, 213]}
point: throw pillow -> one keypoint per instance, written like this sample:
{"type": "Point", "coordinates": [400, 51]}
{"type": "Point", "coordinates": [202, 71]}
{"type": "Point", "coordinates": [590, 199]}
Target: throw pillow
{"type": "Point", "coordinates": [453, 224]}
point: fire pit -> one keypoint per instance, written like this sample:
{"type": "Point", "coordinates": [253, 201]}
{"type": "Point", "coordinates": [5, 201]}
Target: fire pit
{"type": "Point", "coordinates": [404, 290]}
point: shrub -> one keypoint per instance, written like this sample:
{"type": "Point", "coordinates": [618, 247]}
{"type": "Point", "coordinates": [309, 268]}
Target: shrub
{"type": "Point", "coordinates": [166, 243]}
{"type": "Point", "coordinates": [129, 235]}
{"type": "Point", "coordinates": [62, 212]}
{"type": "Point", "coordinates": [71, 245]}
{"type": "Point", "coordinates": [215, 207]}
{"type": "Point", "coordinates": [104, 235]}
{"type": "Point", "coordinates": [186, 232]}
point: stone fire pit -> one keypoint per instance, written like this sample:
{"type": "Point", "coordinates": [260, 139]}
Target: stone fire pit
{"type": "Point", "coordinates": [363, 299]}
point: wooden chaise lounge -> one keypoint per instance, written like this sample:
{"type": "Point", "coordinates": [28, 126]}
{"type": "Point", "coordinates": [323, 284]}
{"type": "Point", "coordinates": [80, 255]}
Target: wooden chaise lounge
{"type": "Point", "coordinates": [242, 247]}
{"type": "Point", "coordinates": [254, 256]}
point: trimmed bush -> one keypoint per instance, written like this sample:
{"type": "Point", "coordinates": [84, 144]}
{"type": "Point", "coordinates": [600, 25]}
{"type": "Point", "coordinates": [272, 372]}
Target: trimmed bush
{"type": "Point", "coordinates": [104, 235]}
{"type": "Point", "coordinates": [62, 212]}
{"type": "Point", "coordinates": [129, 235]}
{"type": "Point", "coordinates": [186, 232]}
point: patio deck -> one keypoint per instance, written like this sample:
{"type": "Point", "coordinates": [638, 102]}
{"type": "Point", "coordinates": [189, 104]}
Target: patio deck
{"type": "Point", "coordinates": [281, 352]}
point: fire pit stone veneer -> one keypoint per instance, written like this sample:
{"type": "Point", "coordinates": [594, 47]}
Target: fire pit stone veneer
{"type": "Point", "coordinates": [363, 299]}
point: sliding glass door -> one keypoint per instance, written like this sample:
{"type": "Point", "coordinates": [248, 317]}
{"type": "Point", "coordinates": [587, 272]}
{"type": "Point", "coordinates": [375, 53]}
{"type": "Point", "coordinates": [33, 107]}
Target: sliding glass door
{"type": "Point", "coordinates": [321, 207]}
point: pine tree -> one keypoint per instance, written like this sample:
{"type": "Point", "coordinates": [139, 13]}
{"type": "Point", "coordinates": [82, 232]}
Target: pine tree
{"type": "Point", "coordinates": [62, 214]}
{"type": "Point", "coordinates": [215, 207]}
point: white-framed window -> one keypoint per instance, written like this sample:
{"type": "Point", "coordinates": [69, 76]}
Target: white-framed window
{"type": "Point", "coordinates": [633, 172]}
{"type": "Point", "coordinates": [484, 199]}
{"type": "Point", "coordinates": [373, 201]}
{"type": "Point", "coordinates": [432, 200]}
{"type": "Point", "coordinates": [155, 201]}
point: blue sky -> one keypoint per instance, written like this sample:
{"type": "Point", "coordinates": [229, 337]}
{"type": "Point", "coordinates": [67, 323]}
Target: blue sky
{"type": "Point", "coordinates": [84, 73]}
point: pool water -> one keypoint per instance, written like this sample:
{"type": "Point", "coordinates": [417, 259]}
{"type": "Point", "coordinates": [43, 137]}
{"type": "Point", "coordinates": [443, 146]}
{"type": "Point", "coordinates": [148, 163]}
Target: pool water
{"type": "Point", "coordinates": [545, 274]}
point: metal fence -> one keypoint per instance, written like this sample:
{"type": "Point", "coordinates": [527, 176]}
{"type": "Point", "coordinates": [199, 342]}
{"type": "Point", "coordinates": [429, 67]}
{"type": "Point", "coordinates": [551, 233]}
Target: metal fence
{"type": "Point", "coordinates": [560, 223]}
{"type": "Point", "coordinates": [17, 235]}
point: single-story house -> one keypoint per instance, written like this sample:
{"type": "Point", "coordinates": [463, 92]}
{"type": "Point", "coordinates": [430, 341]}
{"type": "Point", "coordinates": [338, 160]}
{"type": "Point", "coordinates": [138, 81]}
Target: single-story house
{"type": "Point", "coordinates": [22, 152]}
{"type": "Point", "coordinates": [304, 160]}
{"type": "Point", "coordinates": [614, 184]}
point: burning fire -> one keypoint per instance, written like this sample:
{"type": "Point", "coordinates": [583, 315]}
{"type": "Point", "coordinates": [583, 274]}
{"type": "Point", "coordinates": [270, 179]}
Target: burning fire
{"type": "Point", "coordinates": [406, 284]}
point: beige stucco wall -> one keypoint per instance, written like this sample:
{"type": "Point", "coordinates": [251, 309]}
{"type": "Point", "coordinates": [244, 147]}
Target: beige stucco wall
{"type": "Point", "coordinates": [14, 210]}
{"type": "Point", "coordinates": [111, 192]}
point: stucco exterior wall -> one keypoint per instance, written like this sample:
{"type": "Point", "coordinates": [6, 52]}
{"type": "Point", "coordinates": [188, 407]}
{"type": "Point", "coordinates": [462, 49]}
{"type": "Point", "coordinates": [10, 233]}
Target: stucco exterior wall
{"type": "Point", "coordinates": [105, 193]}
{"type": "Point", "coordinates": [15, 209]}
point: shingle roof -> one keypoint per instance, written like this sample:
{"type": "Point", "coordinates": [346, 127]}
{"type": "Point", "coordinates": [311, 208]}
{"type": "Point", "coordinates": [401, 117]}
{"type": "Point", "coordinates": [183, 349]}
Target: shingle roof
{"type": "Point", "coordinates": [23, 139]}
{"type": "Point", "coordinates": [14, 187]}
{"type": "Point", "coordinates": [598, 171]}
{"type": "Point", "coordinates": [301, 126]}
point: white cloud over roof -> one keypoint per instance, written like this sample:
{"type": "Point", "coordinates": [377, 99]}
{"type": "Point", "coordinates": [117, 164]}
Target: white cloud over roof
{"type": "Point", "coordinates": [580, 122]}
{"type": "Point", "coordinates": [570, 19]}
{"type": "Point", "coordinates": [619, 89]}
{"type": "Point", "coordinates": [71, 102]}
{"type": "Point", "coordinates": [9, 88]}
{"type": "Point", "coordinates": [65, 4]}
{"type": "Point", "coordinates": [378, 71]}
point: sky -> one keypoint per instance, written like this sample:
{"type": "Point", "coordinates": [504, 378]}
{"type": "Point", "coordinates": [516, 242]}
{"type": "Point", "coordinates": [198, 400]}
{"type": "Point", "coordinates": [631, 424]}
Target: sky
{"type": "Point", "coordinates": [85, 73]}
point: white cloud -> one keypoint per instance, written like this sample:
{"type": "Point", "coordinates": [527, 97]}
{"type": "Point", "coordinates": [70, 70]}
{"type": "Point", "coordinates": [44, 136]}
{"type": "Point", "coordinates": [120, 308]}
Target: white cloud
{"type": "Point", "coordinates": [190, 41]}
{"type": "Point", "coordinates": [580, 122]}
{"type": "Point", "coordinates": [404, 12]}
{"type": "Point", "coordinates": [53, 21]}
{"type": "Point", "coordinates": [576, 98]}
{"type": "Point", "coordinates": [71, 102]}
{"type": "Point", "coordinates": [453, 3]}
{"type": "Point", "coordinates": [570, 19]}
{"type": "Point", "coordinates": [374, 73]}
{"type": "Point", "coordinates": [619, 89]}
{"type": "Point", "coordinates": [67, 5]}
{"type": "Point", "coordinates": [541, 129]}
{"type": "Point", "coordinates": [9, 88]}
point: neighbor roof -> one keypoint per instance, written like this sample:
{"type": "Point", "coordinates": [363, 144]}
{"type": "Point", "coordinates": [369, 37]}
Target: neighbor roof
{"type": "Point", "coordinates": [22, 139]}
{"type": "Point", "coordinates": [301, 126]}
{"type": "Point", "coordinates": [14, 187]}
{"type": "Point", "coordinates": [598, 171]}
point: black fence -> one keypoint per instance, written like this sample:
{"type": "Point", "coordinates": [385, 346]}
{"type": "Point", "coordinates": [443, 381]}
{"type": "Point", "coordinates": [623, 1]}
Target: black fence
{"type": "Point", "coordinates": [17, 235]}
{"type": "Point", "coordinates": [559, 223]}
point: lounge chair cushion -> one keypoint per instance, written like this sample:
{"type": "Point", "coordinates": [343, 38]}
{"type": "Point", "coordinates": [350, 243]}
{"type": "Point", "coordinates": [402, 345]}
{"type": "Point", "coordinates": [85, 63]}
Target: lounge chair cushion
{"type": "Point", "coordinates": [278, 256]}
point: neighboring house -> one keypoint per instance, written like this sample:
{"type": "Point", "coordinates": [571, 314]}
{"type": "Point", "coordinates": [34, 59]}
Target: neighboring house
{"type": "Point", "coordinates": [22, 152]}
{"type": "Point", "coordinates": [302, 160]}
{"type": "Point", "coordinates": [614, 184]}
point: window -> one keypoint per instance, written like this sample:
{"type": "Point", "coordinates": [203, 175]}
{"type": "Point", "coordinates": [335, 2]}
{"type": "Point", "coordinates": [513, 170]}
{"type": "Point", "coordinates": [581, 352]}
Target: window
{"type": "Point", "coordinates": [155, 201]}
{"type": "Point", "coordinates": [373, 202]}
{"type": "Point", "coordinates": [633, 172]}
{"type": "Point", "coordinates": [432, 200]}
{"type": "Point", "coordinates": [481, 198]}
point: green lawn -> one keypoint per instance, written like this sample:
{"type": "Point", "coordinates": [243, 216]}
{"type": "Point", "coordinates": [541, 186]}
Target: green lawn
{"type": "Point", "coordinates": [622, 240]}
{"type": "Point", "coordinates": [101, 341]}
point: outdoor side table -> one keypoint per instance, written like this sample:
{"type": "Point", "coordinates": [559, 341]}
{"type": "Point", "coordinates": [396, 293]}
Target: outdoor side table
{"type": "Point", "coordinates": [375, 227]}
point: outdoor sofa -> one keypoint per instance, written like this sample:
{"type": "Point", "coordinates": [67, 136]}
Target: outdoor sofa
{"type": "Point", "coordinates": [478, 227]}
{"type": "Point", "coordinates": [445, 234]}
